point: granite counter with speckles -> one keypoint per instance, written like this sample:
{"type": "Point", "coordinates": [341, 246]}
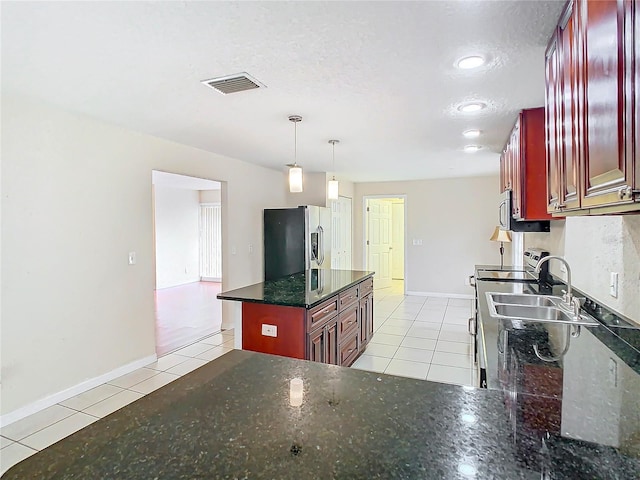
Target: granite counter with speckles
{"type": "Point", "coordinates": [233, 418]}
{"type": "Point", "coordinates": [304, 289]}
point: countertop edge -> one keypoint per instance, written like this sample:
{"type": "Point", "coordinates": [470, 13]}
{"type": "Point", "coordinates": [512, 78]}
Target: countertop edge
{"type": "Point", "coordinates": [226, 296]}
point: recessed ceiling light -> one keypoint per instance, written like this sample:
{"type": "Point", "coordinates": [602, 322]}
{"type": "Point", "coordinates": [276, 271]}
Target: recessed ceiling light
{"type": "Point", "coordinates": [472, 148]}
{"type": "Point", "coordinates": [472, 107]}
{"type": "Point", "coordinates": [473, 61]}
{"type": "Point", "coordinates": [473, 133]}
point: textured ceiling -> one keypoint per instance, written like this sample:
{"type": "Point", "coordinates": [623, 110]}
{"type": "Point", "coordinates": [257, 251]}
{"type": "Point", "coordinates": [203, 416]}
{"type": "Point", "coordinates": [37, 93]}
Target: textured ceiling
{"type": "Point", "coordinates": [378, 76]}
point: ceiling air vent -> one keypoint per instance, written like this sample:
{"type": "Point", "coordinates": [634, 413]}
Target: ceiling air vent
{"type": "Point", "coordinates": [233, 83]}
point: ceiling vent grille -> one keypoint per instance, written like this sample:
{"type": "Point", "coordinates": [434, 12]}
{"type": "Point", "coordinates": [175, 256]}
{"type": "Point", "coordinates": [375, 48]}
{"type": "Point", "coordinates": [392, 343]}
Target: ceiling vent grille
{"type": "Point", "coordinates": [233, 83]}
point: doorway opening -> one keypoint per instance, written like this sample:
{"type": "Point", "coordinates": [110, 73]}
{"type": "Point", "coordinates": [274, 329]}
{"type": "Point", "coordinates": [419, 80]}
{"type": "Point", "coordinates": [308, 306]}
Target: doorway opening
{"type": "Point", "coordinates": [341, 239]}
{"type": "Point", "coordinates": [384, 242]}
{"type": "Point", "coordinates": [187, 233]}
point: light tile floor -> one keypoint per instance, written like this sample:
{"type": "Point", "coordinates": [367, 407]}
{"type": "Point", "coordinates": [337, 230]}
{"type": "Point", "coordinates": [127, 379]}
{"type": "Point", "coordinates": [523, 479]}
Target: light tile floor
{"type": "Point", "coordinates": [25, 437]}
{"type": "Point", "coordinates": [420, 337]}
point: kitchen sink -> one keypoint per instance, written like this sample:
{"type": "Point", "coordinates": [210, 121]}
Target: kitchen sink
{"type": "Point", "coordinates": [518, 299]}
{"type": "Point", "coordinates": [533, 308]}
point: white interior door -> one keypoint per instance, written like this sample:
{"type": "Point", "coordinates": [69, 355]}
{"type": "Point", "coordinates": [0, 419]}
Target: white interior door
{"type": "Point", "coordinates": [397, 236]}
{"type": "Point", "coordinates": [341, 234]}
{"type": "Point", "coordinates": [379, 240]}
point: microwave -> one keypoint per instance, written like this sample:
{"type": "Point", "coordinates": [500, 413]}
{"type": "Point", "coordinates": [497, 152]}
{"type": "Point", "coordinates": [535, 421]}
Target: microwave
{"type": "Point", "coordinates": [507, 222]}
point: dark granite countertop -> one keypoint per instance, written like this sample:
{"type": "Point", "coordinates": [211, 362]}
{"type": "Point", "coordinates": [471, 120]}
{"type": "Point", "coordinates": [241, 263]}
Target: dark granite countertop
{"type": "Point", "coordinates": [232, 418]}
{"type": "Point", "coordinates": [304, 289]}
{"type": "Point", "coordinates": [585, 402]}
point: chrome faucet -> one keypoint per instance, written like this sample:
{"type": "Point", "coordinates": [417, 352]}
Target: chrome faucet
{"type": "Point", "coordinates": [568, 301]}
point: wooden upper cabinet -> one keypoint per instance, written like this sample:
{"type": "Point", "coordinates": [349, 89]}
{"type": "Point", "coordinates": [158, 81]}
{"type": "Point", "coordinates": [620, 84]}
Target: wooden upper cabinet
{"type": "Point", "coordinates": [552, 126]}
{"type": "Point", "coordinates": [632, 65]}
{"type": "Point", "coordinates": [608, 171]}
{"type": "Point", "coordinates": [570, 109]}
{"type": "Point", "coordinates": [591, 109]}
{"type": "Point", "coordinates": [524, 165]}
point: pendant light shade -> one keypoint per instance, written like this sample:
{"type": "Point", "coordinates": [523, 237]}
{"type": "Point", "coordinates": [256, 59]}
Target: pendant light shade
{"type": "Point", "coordinates": [332, 186]}
{"type": "Point", "coordinates": [332, 189]}
{"type": "Point", "coordinates": [295, 179]}
{"type": "Point", "coordinates": [295, 170]}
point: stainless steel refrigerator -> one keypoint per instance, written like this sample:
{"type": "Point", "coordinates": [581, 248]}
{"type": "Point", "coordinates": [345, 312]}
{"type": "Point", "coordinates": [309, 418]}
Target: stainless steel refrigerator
{"type": "Point", "coordinates": [296, 239]}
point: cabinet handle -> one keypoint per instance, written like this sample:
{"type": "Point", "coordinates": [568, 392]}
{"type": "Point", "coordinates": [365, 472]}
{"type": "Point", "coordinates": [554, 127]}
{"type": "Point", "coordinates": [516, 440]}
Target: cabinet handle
{"type": "Point", "coordinates": [350, 350]}
{"type": "Point", "coordinates": [326, 310]}
{"type": "Point", "coordinates": [624, 192]}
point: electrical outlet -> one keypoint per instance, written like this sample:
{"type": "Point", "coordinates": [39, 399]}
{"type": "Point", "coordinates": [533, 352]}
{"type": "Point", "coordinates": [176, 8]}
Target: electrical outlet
{"type": "Point", "coordinates": [132, 258]}
{"type": "Point", "coordinates": [250, 248]}
{"type": "Point", "coordinates": [613, 285]}
{"type": "Point", "coordinates": [563, 268]}
{"type": "Point", "coordinates": [269, 330]}
{"type": "Point", "coordinates": [417, 241]}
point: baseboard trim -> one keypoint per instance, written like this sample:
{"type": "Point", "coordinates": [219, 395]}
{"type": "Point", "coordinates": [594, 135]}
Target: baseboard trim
{"type": "Point", "coordinates": [441, 295]}
{"type": "Point", "coordinates": [30, 409]}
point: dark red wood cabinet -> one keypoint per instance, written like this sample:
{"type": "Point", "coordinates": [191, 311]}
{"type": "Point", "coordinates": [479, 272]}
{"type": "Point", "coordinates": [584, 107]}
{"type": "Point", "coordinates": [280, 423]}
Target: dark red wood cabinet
{"type": "Point", "coordinates": [334, 332]}
{"type": "Point", "coordinates": [592, 109]}
{"type": "Point", "coordinates": [523, 166]}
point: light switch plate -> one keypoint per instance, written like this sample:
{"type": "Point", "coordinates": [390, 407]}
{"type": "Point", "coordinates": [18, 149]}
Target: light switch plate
{"type": "Point", "coordinates": [132, 258]}
{"type": "Point", "coordinates": [613, 285]}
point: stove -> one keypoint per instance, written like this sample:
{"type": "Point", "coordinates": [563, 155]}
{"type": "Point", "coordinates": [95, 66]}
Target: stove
{"type": "Point", "coordinates": [514, 274]}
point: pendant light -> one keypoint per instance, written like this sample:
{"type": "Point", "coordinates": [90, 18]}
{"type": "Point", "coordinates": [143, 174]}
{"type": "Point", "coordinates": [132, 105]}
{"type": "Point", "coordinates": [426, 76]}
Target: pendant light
{"type": "Point", "coordinates": [332, 186]}
{"type": "Point", "coordinates": [295, 170]}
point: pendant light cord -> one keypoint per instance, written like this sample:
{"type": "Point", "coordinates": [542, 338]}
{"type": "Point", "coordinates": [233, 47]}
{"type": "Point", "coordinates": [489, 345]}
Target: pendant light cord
{"type": "Point", "coordinates": [295, 143]}
{"type": "Point", "coordinates": [333, 167]}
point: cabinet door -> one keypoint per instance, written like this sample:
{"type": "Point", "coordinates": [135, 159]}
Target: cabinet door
{"type": "Point", "coordinates": [369, 316]}
{"type": "Point", "coordinates": [570, 108]}
{"type": "Point", "coordinates": [517, 157]}
{"type": "Point", "coordinates": [316, 346]}
{"type": "Point", "coordinates": [607, 172]}
{"type": "Point", "coordinates": [504, 172]}
{"type": "Point", "coordinates": [632, 60]}
{"type": "Point", "coordinates": [551, 129]}
{"type": "Point", "coordinates": [331, 342]}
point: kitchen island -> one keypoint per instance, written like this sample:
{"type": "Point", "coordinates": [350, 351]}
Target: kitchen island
{"type": "Point", "coordinates": [320, 315]}
{"type": "Point", "coordinates": [233, 418]}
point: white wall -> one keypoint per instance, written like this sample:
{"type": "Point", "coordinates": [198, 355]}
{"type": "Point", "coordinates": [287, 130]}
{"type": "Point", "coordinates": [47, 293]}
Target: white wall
{"type": "Point", "coordinates": [76, 199]}
{"type": "Point", "coordinates": [177, 222]}
{"type": "Point", "coordinates": [594, 247]}
{"type": "Point", "coordinates": [210, 196]}
{"type": "Point", "coordinates": [314, 190]}
{"type": "Point", "coordinates": [453, 217]}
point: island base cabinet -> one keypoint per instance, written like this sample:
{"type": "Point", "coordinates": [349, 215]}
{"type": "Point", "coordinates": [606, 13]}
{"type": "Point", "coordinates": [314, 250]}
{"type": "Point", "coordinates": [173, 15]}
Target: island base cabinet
{"type": "Point", "coordinates": [323, 343]}
{"type": "Point", "coordinates": [335, 331]}
{"type": "Point", "coordinates": [366, 320]}
{"type": "Point", "coordinates": [286, 323]}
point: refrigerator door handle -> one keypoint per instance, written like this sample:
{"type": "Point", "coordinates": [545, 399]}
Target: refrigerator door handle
{"type": "Point", "coordinates": [320, 245]}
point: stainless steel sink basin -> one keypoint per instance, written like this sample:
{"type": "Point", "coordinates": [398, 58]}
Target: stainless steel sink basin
{"type": "Point", "coordinates": [518, 299]}
{"type": "Point", "coordinates": [533, 308]}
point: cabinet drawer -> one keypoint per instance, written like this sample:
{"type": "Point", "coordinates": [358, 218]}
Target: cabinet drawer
{"type": "Point", "coordinates": [348, 297]}
{"type": "Point", "coordinates": [348, 350]}
{"type": "Point", "coordinates": [321, 313]}
{"type": "Point", "coordinates": [366, 287]}
{"type": "Point", "coordinates": [348, 321]}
